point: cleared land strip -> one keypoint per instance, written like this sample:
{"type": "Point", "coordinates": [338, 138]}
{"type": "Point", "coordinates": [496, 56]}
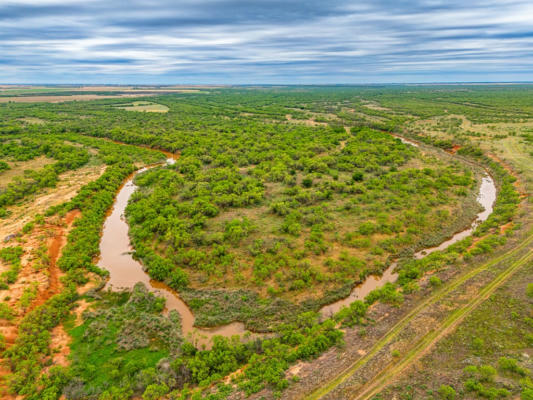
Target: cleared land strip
{"type": "Point", "coordinates": [448, 325]}
{"type": "Point", "coordinates": [400, 325]}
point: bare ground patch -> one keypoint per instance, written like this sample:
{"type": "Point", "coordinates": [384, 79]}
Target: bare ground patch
{"type": "Point", "coordinates": [69, 184]}
{"type": "Point", "coordinates": [143, 106]}
{"type": "Point", "coordinates": [17, 168]}
{"type": "Point", "coordinates": [44, 279]}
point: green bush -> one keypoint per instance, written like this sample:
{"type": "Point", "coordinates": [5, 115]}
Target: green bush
{"type": "Point", "coordinates": [435, 281]}
{"type": "Point", "coordinates": [28, 227]}
{"type": "Point", "coordinates": [447, 392]}
{"type": "Point", "coordinates": [511, 365]}
{"type": "Point", "coordinates": [529, 290]}
{"type": "Point", "coordinates": [6, 312]}
{"type": "Point", "coordinates": [353, 314]}
{"type": "Point", "coordinates": [486, 373]}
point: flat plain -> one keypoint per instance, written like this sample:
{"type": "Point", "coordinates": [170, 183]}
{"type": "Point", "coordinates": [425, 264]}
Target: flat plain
{"type": "Point", "coordinates": [286, 247]}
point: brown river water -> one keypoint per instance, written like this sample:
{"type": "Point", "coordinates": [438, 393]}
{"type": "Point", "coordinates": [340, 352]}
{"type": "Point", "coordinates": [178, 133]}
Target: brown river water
{"type": "Point", "coordinates": [486, 197]}
{"type": "Point", "coordinates": [125, 272]}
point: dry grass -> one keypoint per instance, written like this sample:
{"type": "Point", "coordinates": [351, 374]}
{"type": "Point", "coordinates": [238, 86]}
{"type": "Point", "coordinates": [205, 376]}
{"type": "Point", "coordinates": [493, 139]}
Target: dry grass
{"type": "Point", "coordinates": [69, 184]}
{"type": "Point", "coordinates": [18, 168]}
{"type": "Point", "coordinates": [61, 99]}
{"type": "Point", "coordinates": [45, 281]}
{"type": "Point", "coordinates": [307, 122]}
{"type": "Point", "coordinates": [32, 120]}
{"type": "Point", "coordinates": [144, 106]}
{"type": "Point", "coordinates": [374, 106]}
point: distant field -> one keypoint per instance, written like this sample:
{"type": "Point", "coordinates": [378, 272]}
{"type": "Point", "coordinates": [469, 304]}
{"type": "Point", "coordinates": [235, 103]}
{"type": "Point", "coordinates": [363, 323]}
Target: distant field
{"type": "Point", "coordinates": [60, 99]}
{"type": "Point", "coordinates": [57, 94]}
{"type": "Point", "coordinates": [143, 106]}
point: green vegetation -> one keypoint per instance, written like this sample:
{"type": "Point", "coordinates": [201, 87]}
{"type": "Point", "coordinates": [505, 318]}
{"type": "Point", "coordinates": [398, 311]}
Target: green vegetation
{"type": "Point", "coordinates": [447, 392]}
{"type": "Point", "coordinates": [31, 350]}
{"type": "Point", "coordinates": [6, 312]}
{"type": "Point", "coordinates": [143, 106]}
{"type": "Point", "coordinates": [125, 345]}
{"type": "Point", "coordinates": [10, 256]}
{"type": "Point", "coordinates": [250, 215]}
{"type": "Point", "coordinates": [22, 149]}
{"type": "Point", "coordinates": [121, 342]}
{"type": "Point", "coordinates": [263, 219]}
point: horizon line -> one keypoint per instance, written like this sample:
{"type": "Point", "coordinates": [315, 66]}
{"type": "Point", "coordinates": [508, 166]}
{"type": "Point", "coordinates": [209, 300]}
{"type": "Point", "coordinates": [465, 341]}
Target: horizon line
{"type": "Point", "coordinates": [274, 84]}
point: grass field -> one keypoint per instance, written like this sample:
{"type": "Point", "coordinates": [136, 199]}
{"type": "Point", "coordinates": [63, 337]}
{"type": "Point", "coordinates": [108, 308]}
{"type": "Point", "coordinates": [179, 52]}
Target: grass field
{"type": "Point", "coordinates": [144, 106]}
{"type": "Point", "coordinates": [17, 168]}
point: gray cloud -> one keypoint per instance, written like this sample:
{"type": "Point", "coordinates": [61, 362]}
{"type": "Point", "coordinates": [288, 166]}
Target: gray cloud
{"type": "Point", "coordinates": [273, 41]}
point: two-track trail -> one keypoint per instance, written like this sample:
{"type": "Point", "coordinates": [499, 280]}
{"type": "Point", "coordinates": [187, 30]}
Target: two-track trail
{"type": "Point", "coordinates": [421, 346]}
{"type": "Point", "coordinates": [430, 339]}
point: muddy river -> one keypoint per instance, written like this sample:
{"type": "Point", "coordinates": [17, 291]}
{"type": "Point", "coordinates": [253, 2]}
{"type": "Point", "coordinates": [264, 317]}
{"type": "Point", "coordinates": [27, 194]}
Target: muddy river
{"type": "Point", "coordinates": [125, 272]}
{"type": "Point", "coordinates": [486, 197]}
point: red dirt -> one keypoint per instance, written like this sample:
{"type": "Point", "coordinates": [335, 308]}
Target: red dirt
{"type": "Point", "coordinates": [59, 337]}
{"type": "Point", "coordinates": [454, 149]}
{"type": "Point", "coordinates": [54, 252]}
{"type": "Point", "coordinates": [60, 341]}
{"type": "Point", "coordinates": [504, 228]}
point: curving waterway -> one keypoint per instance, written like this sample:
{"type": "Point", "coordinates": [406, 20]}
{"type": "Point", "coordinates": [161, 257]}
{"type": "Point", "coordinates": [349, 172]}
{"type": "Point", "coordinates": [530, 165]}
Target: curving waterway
{"type": "Point", "coordinates": [125, 272]}
{"type": "Point", "coordinates": [486, 197]}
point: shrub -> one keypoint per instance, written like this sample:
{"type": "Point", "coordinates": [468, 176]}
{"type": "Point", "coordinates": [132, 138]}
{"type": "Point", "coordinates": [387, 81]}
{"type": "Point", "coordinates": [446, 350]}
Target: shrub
{"type": "Point", "coordinates": [353, 314]}
{"type": "Point", "coordinates": [386, 294]}
{"type": "Point", "coordinates": [435, 281]}
{"type": "Point", "coordinates": [28, 227]}
{"type": "Point", "coordinates": [367, 228]}
{"type": "Point", "coordinates": [511, 365]}
{"type": "Point", "coordinates": [477, 345]}
{"type": "Point", "coordinates": [357, 176]}
{"type": "Point", "coordinates": [237, 229]}
{"type": "Point", "coordinates": [6, 312]}
{"type": "Point", "coordinates": [447, 392]}
{"type": "Point", "coordinates": [529, 290]}
{"type": "Point", "coordinates": [486, 373]}
{"type": "Point", "coordinates": [155, 391]}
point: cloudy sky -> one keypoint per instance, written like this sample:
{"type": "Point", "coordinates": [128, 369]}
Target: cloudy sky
{"type": "Point", "coordinates": [267, 41]}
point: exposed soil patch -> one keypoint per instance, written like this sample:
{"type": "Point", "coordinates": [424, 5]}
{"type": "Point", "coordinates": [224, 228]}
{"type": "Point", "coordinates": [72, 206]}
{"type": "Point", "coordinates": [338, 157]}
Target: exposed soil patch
{"type": "Point", "coordinates": [374, 106]}
{"type": "Point", "coordinates": [454, 149]}
{"type": "Point", "coordinates": [308, 122]}
{"type": "Point", "coordinates": [60, 341]}
{"type": "Point", "coordinates": [45, 281]}
{"type": "Point", "coordinates": [143, 106]}
{"type": "Point", "coordinates": [33, 120]}
{"type": "Point", "coordinates": [69, 184]}
{"type": "Point", "coordinates": [17, 168]}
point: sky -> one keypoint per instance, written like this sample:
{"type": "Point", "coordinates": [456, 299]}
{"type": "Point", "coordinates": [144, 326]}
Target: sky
{"type": "Point", "coordinates": [265, 42]}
